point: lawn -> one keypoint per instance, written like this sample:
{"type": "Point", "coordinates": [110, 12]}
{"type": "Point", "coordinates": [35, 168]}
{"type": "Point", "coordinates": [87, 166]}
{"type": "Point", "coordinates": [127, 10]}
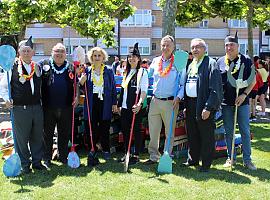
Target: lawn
{"type": "Point", "coordinates": [107, 181]}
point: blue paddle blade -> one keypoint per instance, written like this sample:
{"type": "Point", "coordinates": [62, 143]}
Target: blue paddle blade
{"type": "Point", "coordinates": [7, 57]}
{"type": "Point", "coordinates": [73, 160]}
{"type": "Point", "coordinates": [165, 163]}
{"type": "Point", "coordinates": [180, 59]}
{"type": "Point", "coordinates": [12, 166]}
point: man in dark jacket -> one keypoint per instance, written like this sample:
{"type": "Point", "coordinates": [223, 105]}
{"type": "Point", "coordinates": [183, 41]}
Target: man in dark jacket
{"type": "Point", "coordinates": [57, 98]}
{"type": "Point", "coordinates": [202, 86]}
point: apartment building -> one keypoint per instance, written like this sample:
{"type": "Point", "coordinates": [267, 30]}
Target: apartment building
{"type": "Point", "coordinates": [145, 27]}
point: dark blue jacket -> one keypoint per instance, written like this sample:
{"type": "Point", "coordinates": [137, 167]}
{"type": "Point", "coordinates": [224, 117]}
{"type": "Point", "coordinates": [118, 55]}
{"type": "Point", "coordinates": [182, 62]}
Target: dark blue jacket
{"type": "Point", "coordinates": [109, 96]}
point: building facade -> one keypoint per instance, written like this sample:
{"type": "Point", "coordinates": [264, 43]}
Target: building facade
{"type": "Point", "coordinates": [145, 27]}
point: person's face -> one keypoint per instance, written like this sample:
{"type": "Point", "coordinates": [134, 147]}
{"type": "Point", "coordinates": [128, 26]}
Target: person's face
{"type": "Point", "coordinates": [167, 46]}
{"type": "Point", "coordinates": [59, 55]}
{"type": "Point", "coordinates": [26, 53]}
{"type": "Point", "coordinates": [231, 49]}
{"type": "Point", "coordinates": [197, 49]}
{"type": "Point", "coordinates": [97, 58]}
{"type": "Point", "coordinates": [116, 59]}
{"type": "Point", "coordinates": [133, 61]}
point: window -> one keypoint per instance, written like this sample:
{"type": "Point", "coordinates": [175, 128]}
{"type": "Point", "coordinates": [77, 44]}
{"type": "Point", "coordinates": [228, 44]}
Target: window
{"type": "Point", "coordinates": [204, 24]}
{"type": "Point", "coordinates": [140, 18]}
{"type": "Point", "coordinates": [243, 47]}
{"type": "Point", "coordinates": [124, 50]}
{"type": "Point", "coordinates": [237, 23]}
{"type": "Point", "coordinates": [154, 46]}
{"type": "Point", "coordinates": [128, 43]}
{"type": "Point", "coordinates": [153, 19]}
{"type": "Point", "coordinates": [39, 49]}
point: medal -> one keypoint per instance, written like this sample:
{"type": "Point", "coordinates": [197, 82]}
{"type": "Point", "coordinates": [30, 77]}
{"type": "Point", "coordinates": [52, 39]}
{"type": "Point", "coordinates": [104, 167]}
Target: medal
{"type": "Point", "coordinates": [22, 79]}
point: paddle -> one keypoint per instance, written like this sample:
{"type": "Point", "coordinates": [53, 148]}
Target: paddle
{"type": "Point", "coordinates": [139, 76]}
{"type": "Point", "coordinates": [12, 166]}
{"type": "Point", "coordinates": [165, 161]}
{"type": "Point", "coordinates": [73, 158]}
{"type": "Point", "coordinates": [238, 84]}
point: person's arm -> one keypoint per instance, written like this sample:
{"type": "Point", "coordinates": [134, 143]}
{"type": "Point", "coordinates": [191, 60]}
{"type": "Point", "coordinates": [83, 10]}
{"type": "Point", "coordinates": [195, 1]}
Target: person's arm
{"type": "Point", "coordinates": [143, 87]}
{"type": "Point", "coordinates": [4, 89]}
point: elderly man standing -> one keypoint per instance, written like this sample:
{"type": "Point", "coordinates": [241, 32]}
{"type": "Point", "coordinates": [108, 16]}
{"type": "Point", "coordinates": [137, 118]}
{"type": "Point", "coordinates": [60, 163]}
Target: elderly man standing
{"type": "Point", "coordinates": [26, 102]}
{"type": "Point", "coordinates": [57, 98]}
{"type": "Point", "coordinates": [230, 100]}
{"type": "Point", "coordinates": [165, 75]}
{"type": "Point", "coordinates": [202, 87]}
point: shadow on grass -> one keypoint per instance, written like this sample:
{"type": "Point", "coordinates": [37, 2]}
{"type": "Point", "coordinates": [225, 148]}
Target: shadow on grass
{"type": "Point", "coordinates": [261, 134]}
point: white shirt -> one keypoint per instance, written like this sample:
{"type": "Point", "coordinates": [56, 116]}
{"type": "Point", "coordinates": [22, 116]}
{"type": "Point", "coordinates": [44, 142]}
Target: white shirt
{"type": "Point", "coordinates": [144, 82]}
{"type": "Point", "coordinates": [28, 69]}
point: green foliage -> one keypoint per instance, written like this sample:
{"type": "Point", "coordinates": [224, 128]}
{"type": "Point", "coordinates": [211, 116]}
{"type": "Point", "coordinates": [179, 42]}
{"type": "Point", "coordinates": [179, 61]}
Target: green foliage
{"type": "Point", "coordinates": [196, 10]}
{"type": "Point", "coordinates": [90, 18]}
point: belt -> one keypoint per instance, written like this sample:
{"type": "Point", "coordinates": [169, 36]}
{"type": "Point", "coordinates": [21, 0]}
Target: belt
{"type": "Point", "coordinates": [165, 99]}
{"type": "Point", "coordinates": [26, 106]}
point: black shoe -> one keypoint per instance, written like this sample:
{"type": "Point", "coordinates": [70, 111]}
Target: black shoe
{"type": "Point", "coordinates": [204, 169]}
{"type": "Point", "coordinates": [47, 164]}
{"type": "Point", "coordinates": [121, 160]}
{"type": "Point", "coordinates": [133, 160]}
{"type": "Point", "coordinates": [150, 162]}
{"type": "Point", "coordinates": [92, 159]}
{"type": "Point", "coordinates": [39, 167]}
{"type": "Point", "coordinates": [189, 164]}
{"type": "Point", "coordinates": [26, 170]}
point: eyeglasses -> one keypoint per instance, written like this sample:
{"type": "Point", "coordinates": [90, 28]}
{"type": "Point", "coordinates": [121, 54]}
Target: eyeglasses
{"type": "Point", "coordinates": [59, 51]}
{"type": "Point", "coordinates": [196, 47]}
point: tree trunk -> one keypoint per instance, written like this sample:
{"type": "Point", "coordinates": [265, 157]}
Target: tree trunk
{"type": "Point", "coordinates": [168, 18]}
{"type": "Point", "coordinates": [250, 30]}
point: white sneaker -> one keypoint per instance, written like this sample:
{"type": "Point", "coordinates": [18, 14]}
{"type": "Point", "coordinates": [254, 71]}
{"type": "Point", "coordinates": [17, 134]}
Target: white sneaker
{"type": "Point", "coordinates": [250, 166]}
{"type": "Point", "coordinates": [228, 163]}
{"type": "Point", "coordinates": [261, 113]}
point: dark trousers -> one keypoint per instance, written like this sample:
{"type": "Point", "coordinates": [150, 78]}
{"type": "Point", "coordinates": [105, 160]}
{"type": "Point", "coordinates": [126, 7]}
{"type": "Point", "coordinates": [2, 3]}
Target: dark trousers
{"type": "Point", "coordinates": [200, 133]}
{"type": "Point", "coordinates": [100, 127]}
{"type": "Point", "coordinates": [28, 130]}
{"type": "Point", "coordinates": [126, 120]}
{"type": "Point", "coordinates": [62, 118]}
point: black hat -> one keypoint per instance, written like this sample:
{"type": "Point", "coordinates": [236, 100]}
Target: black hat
{"type": "Point", "coordinates": [231, 39]}
{"type": "Point", "coordinates": [27, 43]}
{"type": "Point", "coordinates": [135, 51]}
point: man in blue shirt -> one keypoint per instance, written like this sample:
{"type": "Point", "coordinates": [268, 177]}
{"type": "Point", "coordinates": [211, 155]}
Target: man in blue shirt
{"type": "Point", "coordinates": [163, 102]}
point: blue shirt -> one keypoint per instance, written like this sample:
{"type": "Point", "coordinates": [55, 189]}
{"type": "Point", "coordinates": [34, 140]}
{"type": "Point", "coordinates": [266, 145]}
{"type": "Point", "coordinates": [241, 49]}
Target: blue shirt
{"type": "Point", "coordinates": [164, 87]}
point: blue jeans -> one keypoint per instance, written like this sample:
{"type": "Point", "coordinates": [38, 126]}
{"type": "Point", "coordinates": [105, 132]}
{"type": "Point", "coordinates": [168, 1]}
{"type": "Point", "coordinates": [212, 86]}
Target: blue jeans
{"type": "Point", "coordinates": [243, 124]}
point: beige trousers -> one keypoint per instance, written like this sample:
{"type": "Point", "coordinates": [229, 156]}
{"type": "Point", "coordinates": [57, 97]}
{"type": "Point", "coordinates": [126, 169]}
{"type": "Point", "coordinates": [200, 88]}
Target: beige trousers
{"type": "Point", "coordinates": [160, 111]}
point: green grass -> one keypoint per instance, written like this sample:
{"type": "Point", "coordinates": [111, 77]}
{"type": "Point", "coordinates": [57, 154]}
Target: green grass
{"type": "Point", "coordinates": [107, 181]}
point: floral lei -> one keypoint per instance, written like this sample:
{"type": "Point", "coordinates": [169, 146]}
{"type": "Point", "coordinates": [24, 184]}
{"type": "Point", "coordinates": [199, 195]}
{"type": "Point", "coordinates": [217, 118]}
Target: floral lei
{"type": "Point", "coordinates": [58, 71]}
{"type": "Point", "coordinates": [100, 82]}
{"type": "Point", "coordinates": [167, 69]}
{"type": "Point", "coordinates": [237, 65]}
{"type": "Point", "coordinates": [20, 71]}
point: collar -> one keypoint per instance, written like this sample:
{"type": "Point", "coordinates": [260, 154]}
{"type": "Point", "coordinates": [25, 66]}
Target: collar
{"type": "Point", "coordinates": [164, 60]}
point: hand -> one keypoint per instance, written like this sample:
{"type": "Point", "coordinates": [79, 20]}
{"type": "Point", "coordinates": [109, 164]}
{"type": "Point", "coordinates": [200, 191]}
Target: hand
{"type": "Point", "coordinates": [176, 102]}
{"type": "Point", "coordinates": [240, 99]}
{"type": "Point", "coordinates": [83, 78]}
{"type": "Point", "coordinates": [205, 114]}
{"type": "Point", "coordinates": [75, 102]}
{"type": "Point", "coordinates": [114, 109]}
{"type": "Point", "coordinates": [9, 104]}
{"type": "Point", "coordinates": [136, 108]}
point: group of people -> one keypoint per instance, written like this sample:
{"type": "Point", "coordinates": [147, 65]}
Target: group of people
{"type": "Point", "coordinates": [42, 99]}
{"type": "Point", "coordinates": [259, 91]}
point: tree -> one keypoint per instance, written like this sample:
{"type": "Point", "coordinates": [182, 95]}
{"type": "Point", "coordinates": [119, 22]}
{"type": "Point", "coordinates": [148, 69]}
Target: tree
{"type": "Point", "coordinates": [90, 18]}
{"type": "Point", "coordinates": [256, 12]}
